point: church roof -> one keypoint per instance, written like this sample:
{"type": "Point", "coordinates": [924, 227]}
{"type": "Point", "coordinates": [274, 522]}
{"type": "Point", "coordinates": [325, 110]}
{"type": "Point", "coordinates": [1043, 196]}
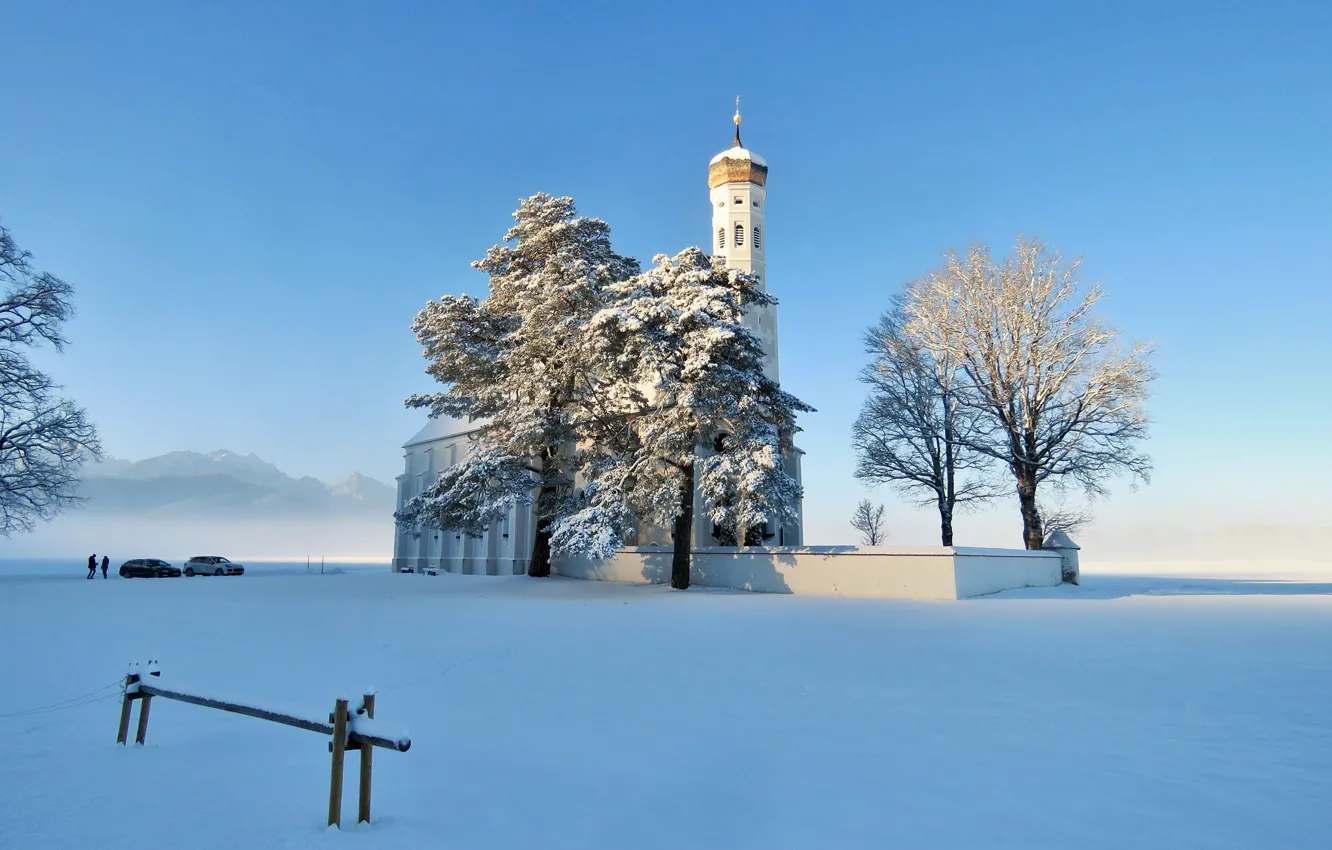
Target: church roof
{"type": "Point", "coordinates": [440, 428]}
{"type": "Point", "coordinates": [737, 165]}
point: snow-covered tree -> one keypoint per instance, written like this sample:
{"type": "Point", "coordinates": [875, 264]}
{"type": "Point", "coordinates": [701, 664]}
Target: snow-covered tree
{"type": "Point", "coordinates": [689, 407]}
{"type": "Point", "coordinates": [44, 439]}
{"type": "Point", "coordinates": [519, 362]}
{"type": "Point", "coordinates": [1063, 399]}
{"type": "Point", "coordinates": [913, 430]}
{"type": "Point", "coordinates": [868, 520]}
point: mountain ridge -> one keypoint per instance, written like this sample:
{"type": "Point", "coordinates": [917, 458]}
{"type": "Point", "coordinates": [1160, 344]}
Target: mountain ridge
{"type": "Point", "coordinates": [224, 483]}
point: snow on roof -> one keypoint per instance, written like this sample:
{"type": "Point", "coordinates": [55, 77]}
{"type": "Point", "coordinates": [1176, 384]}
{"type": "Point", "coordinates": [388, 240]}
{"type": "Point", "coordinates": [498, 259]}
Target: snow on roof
{"type": "Point", "coordinates": [441, 428]}
{"type": "Point", "coordinates": [739, 153]}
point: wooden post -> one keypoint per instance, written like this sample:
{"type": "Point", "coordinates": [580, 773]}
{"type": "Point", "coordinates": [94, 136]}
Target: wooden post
{"type": "Point", "coordinates": [145, 702]}
{"type": "Point", "coordinates": [123, 734]}
{"type": "Point", "coordinates": [367, 751]}
{"type": "Point", "coordinates": [339, 747]}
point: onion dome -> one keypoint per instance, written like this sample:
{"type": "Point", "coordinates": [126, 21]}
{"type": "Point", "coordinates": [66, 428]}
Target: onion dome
{"type": "Point", "coordinates": [737, 165]}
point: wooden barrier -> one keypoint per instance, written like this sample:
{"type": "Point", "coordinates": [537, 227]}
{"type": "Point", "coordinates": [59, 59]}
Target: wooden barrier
{"type": "Point", "coordinates": [341, 726]}
{"type": "Point", "coordinates": [367, 753]}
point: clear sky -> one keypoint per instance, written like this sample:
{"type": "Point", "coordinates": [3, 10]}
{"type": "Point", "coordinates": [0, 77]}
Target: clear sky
{"type": "Point", "coordinates": [254, 199]}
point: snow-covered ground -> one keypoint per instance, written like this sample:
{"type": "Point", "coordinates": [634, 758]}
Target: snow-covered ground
{"type": "Point", "coordinates": [1131, 712]}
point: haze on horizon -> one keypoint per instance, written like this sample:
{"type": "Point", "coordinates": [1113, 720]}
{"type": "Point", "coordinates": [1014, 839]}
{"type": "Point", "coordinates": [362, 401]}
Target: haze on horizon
{"type": "Point", "coordinates": [253, 202]}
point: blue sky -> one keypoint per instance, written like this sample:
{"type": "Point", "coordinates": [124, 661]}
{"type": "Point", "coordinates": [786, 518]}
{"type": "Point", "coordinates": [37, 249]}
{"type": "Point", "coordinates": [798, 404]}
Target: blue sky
{"type": "Point", "coordinates": [253, 202]}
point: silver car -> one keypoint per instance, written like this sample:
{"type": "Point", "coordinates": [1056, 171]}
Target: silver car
{"type": "Point", "coordinates": [212, 565]}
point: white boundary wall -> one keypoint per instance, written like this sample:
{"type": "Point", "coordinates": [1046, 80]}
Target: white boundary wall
{"type": "Point", "coordinates": [933, 572]}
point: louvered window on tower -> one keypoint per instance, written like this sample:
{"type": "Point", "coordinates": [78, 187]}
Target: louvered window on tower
{"type": "Point", "coordinates": [739, 235]}
{"type": "Point", "coordinates": [758, 237]}
{"type": "Point", "coordinates": [721, 239]}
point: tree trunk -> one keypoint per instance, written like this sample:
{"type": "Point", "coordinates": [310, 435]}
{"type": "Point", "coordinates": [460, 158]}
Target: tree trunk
{"type": "Point", "coordinates": [682, 537]}
{"type": "Point", "coordinates": [539, 567]}
{"type": "Point", "coordinates": [950, 474]}
{"type": "Point", "coordinates": [1032, 531]}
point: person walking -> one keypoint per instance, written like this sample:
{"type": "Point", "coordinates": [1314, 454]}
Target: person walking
{"type": "Point", "coordinates": [92, 566]}
{"type": "Point", "coordinates": [106, 562]}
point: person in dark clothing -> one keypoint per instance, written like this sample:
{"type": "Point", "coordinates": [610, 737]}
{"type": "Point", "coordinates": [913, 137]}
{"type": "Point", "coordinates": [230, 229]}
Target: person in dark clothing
{"type": "Point", "coordinates": [106, 562]}
{"type": "Point", "coordinates": [92, 566]}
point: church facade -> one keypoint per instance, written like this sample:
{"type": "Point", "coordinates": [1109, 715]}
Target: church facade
{"type": "Point", "coordinates": [737, 188]}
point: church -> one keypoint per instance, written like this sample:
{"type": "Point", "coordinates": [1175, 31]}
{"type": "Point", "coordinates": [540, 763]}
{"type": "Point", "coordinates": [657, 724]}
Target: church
{"type": "Point", "coordinates": [737, 192]}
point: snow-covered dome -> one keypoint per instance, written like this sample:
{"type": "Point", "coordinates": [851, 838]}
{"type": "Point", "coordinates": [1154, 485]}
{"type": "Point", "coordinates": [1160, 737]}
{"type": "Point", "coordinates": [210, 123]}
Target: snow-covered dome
{"type": "Point", "coordinates": [737, 165]}
{"type": "Point", "coordinates": [739, 153]}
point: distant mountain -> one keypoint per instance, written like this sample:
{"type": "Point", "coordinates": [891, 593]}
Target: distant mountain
{"type": "Point", "coordinates": [224, 484]}
{"type": "Point", "coordinates": [358, 486]}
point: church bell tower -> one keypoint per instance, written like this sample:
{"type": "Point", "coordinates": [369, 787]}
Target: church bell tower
{"type": "Point", "coordinates": [737, 184]}
{"type": "Point", "coordinates": [738, 190]}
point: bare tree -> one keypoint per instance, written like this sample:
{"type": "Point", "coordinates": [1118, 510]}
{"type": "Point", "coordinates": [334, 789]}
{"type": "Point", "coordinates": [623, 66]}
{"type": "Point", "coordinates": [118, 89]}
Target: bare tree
{"type": "Point", "coordinates": [1063, 400]}
{"type": "Point", "coordinates": [913, 432]}
{"type": "Point", "coordinates": [44, 439]}
{"type": "Point", "coordinates": [868, 520]}
{"type": "Point", "coordinates": [1058, 515]}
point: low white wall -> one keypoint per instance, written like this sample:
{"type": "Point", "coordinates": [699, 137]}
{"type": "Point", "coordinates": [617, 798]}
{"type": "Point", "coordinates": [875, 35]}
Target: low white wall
{"type": "Point", "coordinates": [933, 572]}
{"type": "Point", "coordinates": [981, 571]}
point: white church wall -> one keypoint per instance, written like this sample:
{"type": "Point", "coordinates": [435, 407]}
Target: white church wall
{"type": "Point", "coordinates": [906, 573]}
{"type": "Point", "coordinates": [502, 550]}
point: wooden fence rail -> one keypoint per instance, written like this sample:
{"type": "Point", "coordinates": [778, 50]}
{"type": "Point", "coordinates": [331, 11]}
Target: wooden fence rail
{"type": "Point", "coordinates": [348, 731]}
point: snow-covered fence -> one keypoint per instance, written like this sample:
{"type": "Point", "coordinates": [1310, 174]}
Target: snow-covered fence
{"type": "Point", "coordinates": [349, 730]}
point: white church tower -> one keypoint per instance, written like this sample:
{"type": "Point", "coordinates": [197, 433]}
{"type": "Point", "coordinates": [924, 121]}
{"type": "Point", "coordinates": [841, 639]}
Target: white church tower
{"type": "Point", "coordinates": [737, 184]}
{"type": "Point", "coordinates": [738, 190]}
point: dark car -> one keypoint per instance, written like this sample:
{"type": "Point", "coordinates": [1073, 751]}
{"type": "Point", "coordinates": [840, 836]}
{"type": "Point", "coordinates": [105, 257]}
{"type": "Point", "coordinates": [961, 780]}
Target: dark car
{"type": "Point", "coordinates": [212, 565]}
{"type": "Point", "coordinates": [148, 568]}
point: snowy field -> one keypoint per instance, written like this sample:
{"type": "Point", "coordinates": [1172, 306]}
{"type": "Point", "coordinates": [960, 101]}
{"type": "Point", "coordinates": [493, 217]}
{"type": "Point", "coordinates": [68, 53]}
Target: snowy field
{"type": "Point", "coordinates": [1131, 712]}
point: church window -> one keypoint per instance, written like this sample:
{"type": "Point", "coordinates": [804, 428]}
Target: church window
{"type": "Point", "coordinates": [721, 239]}
{"type": "Point", "coordinates": [758, 237]}
{"type": "Point", "coordinates": [739, 200]}
{"type": "Point", "coordinates": [739, 235]}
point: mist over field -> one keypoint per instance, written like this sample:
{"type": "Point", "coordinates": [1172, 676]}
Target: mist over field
{"type": "Point", "coordinates": [76, 537]}
{"type": "Point", "coordinates": [238, 505]}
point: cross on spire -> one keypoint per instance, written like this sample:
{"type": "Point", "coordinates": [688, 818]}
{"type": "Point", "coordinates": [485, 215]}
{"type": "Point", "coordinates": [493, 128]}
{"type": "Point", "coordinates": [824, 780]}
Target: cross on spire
{"type": "Point", "coordinates": [737, 144]}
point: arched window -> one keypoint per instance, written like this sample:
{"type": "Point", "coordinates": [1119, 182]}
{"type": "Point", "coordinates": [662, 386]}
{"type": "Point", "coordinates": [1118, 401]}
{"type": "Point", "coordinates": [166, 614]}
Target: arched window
{"type": "Point", "coordinates": [721, 239]}
{"type": "Point", "coordinates": [739, 235]}
{"type": "Point", "coordinates": [758, 237]}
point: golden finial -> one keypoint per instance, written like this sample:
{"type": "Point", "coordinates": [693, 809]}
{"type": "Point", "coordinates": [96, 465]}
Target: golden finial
{"type": "Point", "coordinates": [737, 122]}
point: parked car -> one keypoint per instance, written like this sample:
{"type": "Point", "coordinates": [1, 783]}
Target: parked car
{"type": "Point", "coordinates": [212, 565]}
{"type": "Point", "coordinates": [148, 568]}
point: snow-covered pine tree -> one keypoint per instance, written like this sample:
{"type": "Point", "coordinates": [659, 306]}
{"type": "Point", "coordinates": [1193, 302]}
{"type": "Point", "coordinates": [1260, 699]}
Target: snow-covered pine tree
{"type": "Point", "coordinates": [688, 378]}
{"type": "Point", "coordinates": [519, 362]}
